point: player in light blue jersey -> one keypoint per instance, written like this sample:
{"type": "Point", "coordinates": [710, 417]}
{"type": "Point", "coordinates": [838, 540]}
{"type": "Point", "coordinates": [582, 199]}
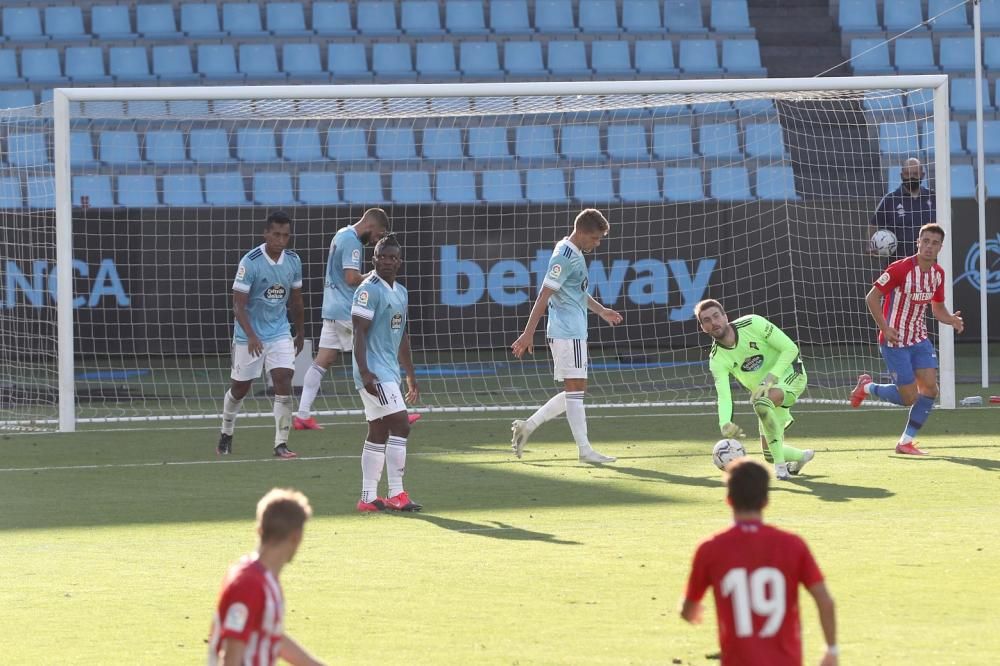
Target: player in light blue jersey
{"type": "Point", "coordinates": [268, 283]}
{"type": "Point", "coordinates": [564, 293]}
{"type": "Point", "coordinates": [381, 344]}
{"type": "Point", "coordinates": [343, 275]}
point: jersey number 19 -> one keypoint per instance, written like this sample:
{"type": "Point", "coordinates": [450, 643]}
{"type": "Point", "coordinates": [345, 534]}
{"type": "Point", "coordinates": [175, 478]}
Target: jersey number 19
{"type": "Point", "coordinates": [760, 593]}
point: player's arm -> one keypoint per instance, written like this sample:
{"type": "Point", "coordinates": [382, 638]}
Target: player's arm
{"type": "Point", "coordinates": [607, 314]}
{"type": "Point", "coordinates": [724, 393]}
{"type": "Point", "coordinates": [360, 349]}
{"type": "Point", "coordinates": [298, 310]}
{"type": "Point", "coordinates": [295, 654]}
{"type": "Point", "coordinates": [525, 343]}
{"type": "Point", "coordinates": [351, 264]}
{"type": "Point", "coordinates": [353, 277]}
{"type": "Point", "coordinates": [779, 341]}
{"type": "Point", "coordinates": [240, 302]}
{"type": "Point", "coordinates": [691, 607]}
{"type": "Point", "coordinates": [874, 302]}
{"type": "Point", "coordinates": [232, 651]}
{"type": "Point", "coordinates": [406, 360]}
{"type": "Point", "coordinates": [940, 311]}
{"type": "Point", "coordinates": [827, 620]}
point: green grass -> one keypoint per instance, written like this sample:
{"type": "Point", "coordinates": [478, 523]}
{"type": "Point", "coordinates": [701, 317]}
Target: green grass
{"type": "Point", "coordinates": [117, 557]}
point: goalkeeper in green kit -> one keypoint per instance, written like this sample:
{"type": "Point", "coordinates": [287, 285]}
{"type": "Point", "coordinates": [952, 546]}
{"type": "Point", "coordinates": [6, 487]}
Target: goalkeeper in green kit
{"type": "Point", "coordinates": [766, 362]}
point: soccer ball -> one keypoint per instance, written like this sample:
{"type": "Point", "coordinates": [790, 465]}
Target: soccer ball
{"type": "Point", "coordinates": [883, 243]}
{"type": "Point", "coordinates": [725, 451]}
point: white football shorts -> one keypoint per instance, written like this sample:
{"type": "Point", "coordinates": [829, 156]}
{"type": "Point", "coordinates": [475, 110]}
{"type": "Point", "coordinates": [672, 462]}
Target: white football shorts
{"type": "Point", "coordinates": [276, 354]}
{"type": "Point", "coordinates": [337, 334]}
{"type": "Point", "coordinates": [570, 359]}
{"type": "Point", "coordinates": [389, 401]}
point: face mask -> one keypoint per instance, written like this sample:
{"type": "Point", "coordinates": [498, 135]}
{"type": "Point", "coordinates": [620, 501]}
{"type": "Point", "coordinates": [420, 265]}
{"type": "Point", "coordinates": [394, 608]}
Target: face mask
{"type": "Point", "coordinates": [911, 184]}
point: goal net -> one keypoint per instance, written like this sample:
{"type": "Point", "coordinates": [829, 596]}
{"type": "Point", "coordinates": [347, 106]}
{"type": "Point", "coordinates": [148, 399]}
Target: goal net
{"type": "Point", "coordinates": [756, 193]}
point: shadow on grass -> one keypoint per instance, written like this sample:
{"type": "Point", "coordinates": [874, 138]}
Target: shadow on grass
{"type": "Point", "coordinates": [830, 492]}
{"type": "Point", "coordinates": [493, 529]}
{"type": "Point", "coordinates": [984, 464]}
{"type": "Point", "coordinates": [666, 477]}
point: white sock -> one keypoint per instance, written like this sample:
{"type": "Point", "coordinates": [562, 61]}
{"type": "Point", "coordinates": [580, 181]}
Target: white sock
{"type": "Point", "coordinates": [867, 388]}
{"type": "Point", "coordinates": [372, 461]}
{"type": "Point", "coordinates": [282, 418]}
{"type": "Point", "coordinates": [230, 408]}
{"type": "Point", "coordinates": [905, 439]}
{"type": "Point", "coordinates": [395, 463]}
{"type": "Point", "coordinates": [550, 410]}
{"type": "Point", "coordinates": [577, 417]}
{"type": "Point", "coordinates": [310, 387]}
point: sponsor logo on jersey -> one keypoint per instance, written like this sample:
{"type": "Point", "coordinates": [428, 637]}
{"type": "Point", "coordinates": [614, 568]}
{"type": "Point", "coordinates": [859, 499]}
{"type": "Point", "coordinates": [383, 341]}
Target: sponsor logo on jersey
{"type": "Point", "coordinates": [241, 272]}
{"type": "Point", "coordinates": [363, 299]}
{"type": "Point", "coordinates": [752, 363]}
{"type": "Point", "coordinates": [236, 617]}
{"type": "Point", "coordinates": [356, 256]}
{"type": "Point", "coordinates": [921, 296]}
{"type": "Point", "coordinates": [397, 321]}
{"type": "Point", "coordinates": [275, 292]}
{"type": "Point", "coordinates": [556, 271]}
{"type": "Point", "coordinates": [883, 279]}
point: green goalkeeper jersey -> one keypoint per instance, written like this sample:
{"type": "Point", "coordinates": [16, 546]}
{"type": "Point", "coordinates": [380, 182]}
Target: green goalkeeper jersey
{"type": "Point", "coordinates": [761, 349]}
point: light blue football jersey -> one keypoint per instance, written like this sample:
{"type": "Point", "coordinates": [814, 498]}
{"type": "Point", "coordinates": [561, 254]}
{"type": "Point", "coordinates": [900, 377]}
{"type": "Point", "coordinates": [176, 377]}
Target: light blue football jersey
{"type": "Point", "coordinates": [268, 284]}
{"type": "Point", "coordinates": [345, 252]}
{"type": "Point", "coordinates": [385, 307]}
{"type": "Point", "coordinates": [567, 275]}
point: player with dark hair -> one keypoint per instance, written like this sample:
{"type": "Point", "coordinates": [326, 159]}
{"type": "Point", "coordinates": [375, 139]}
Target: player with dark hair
{"type": "Point", "coordinates": [898, 302]}
{"type": "Point", "coordinates": [268, 283]}
{"type": "Point", "coordinates": [755, 571]}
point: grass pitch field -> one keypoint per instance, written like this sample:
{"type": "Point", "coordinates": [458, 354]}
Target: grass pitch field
{"type": "Point", "coordinates": [115, 542]}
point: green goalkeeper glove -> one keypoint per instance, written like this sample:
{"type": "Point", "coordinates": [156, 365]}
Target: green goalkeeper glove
{"type": "Point", "coordinates": [764, 386]}
{"type": "Point", "coordinates": [732, 431]}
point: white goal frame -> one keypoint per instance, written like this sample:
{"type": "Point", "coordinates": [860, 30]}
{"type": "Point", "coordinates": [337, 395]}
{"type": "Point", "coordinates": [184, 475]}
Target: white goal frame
{"type": "Point", "coordinates": [63, 97]}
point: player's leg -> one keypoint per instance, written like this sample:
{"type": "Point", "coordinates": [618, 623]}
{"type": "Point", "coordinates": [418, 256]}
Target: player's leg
{"type": "Point", "coordinates": [554, 408]}
{"type": "Point", "coordinates": [924, 361]}
{"type": "Point", "coordinates": [791, 389]}
{"type": "Point", "coordinates": [571, 365]}
{"type": "Point", "coordinates": [245, 368]}
{"type": "Point", "coordinates": [903, 390]}
{"type": "Point", "coordinates": [771, 429]}
{"type": "Point", "coordinates": [372, 456]}
{"type": "Point", "coordinates": [279, 360]}
{"type": "Point", "coordinates": [397, 498]}
{"type": "Point", "coordinates": [331, 342]}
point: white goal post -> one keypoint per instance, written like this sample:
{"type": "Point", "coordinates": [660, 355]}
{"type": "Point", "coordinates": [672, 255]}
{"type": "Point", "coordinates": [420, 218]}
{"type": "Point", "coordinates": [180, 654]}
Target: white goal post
{"type": "Point", "coordinates": [690, 91]}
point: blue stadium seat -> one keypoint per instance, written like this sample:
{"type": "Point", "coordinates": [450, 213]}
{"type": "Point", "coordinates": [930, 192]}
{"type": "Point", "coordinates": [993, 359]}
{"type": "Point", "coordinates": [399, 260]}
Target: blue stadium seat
{"type": "Point", "coordinates": [210, 146]}
{"type": "Point", "coordinates": [755, 108]}
{"type": "Point", "coordinates": [524, 59]}
{"type": "Point", "coordinates": [502, 186]}
{"type": "Point", "coordinates": [742, 56]}
{"type": "Point", "coordinates": [347, 144]}
{"type": "Point", "coordinates": [993, 180]}
{"type": "Point", "coordinates": [991, 53]}
{"type": "Point", "coordinates": [991, 137]}
{"type": "Point", "coordinates": [225, 189]}
{"type": "Point", "coordinates": [302, 61]}
{"type": "Point", "coordinates": [395, 143]}
{"type": "Point", "coordinates": [242, 20]}
{"type": "Point", "coordinates": [421, 18]}
{"type": "Point", "coordinates": [201, 20]}
{"type": "Point", "coordinates": [683, 16]}
{"type": "Point", "coordinates": [599, 16]}
{"type": "Point", "coordinates": [130, 64]}
{"type": "Point", "coordinates": [899, 139]}
{"type": "Point", "coordinates": [963, 96]}
{"type": "Point", "coordinates": [489, 143]}
{"type": "Point", "coordinates": [955, 19]}
{"type": "Point", "coordinates": [156, 22]}
{"type": "Point", "coordinates": [96, 189]}
{"type": "Point", "coordinates": [915, 55]}
{"type": "Point", "coordinates": [173, 63]}
{"type": "Point", "coordinates": [442, 143]}
{"type": "Point", "coordinates": [363, 187]}
{"type": "Point", "coordinates": [286, 19]}
{"type": "Point", "coordinates": [319, 188]}
{"type": "Point", "coordinates": [957, 55]}
{"type": "Point", "coordinates": [332, 19]}
{"type": "Point", "coordinates": [989, 14]}
{"type": "Point", "coordinates": [954, 138]}
{"type": "Point", "coordinates": [963, 181]}
{"type": "Point", "coordinates": [85, 64]}
{"type": "Point", "coordinates": [699, 56]}
{"type": "Point", "coordinates": [348, 62]}
{"type": "Point", "coordinates": [534, 143]}
{"type": "Point", "coordinates": [858, 16]}
{"type": "Point", "coordinates": [902, 15]}
{"type": "Point", "coordinates": [218, 62]}
{"type": "Point", "coordinates": [166, 147]}
{"type": "Point", "coordinates": [719, 141]}
{"type": "Point", "coordinates": [259, 62]}
{"type": "Point", "coordinates": [273, 188]}
{"type": "Point", "coordinates": [479, 60]}
{"type": "Point", "coordinates": [730, 184]}
{"type": "Point", "coordinates": [11, 195]}
{"type": "Point", "coordinates": [581, 143]}
{"type": "Point", "coordinates": [436, 60]}
{"type": "Point", "coordinates": [628, 143]}
{"type": "Point", "coordinates": [64, 23]}
{"type": "Point", "coordinates": [256, 144]}
{"type": "Point", "coordinates": [545, 185]}
{"type": "Point", "coordinates": [639, 185]}
{"type": "Point", "coordinates": [81, 150]}
{"type": "Point", "coordinates": [683, 184]}
{"type": "Point", "coordinates": [776, 183]}
{"type": "Point", "coordinates": [870, 56]}
{"type": "Point", "coordinates": [673, 141]}
{"type": "Point", "coordinates": [8, 67]}
{"type": "Point", "coordinates": [765, 141]}
{"type": "Point", "coordinates": [455, 187]}
{"type": "Point", "coordinates": [719, 109]}
{"type": "Point", "coordinates": [510, 17]}
{"type": "Point", "coordinates": [146, 108]}
{"type": "Point", "coordinates": [111, 22]}
{"type": "Point", "coordinates": [465, 17]}
{"type": "Point", "coordinates": [301, 144]}
{"type": "Point", "coordinates": [568, 59]}
{"type": "Point", "coordinates": [610, 58]}
{"type": "Point", "coordinates": [731, 16]}
{"type": "Point", "coordinates": [138, 191]}
{"type": "Point", "coordinates": [183, 190]}
{"type": "Point", "coordinates": [27, 150]}
{"type": "Point", "coordinates": [554, 17]}
{"type": "Point", "coordinates": [594, 186]}
{"type": "Point", "coordinates": [641, 17]}
{"type": "Point", "coordinates": [22, 24]}
{"type": "Point", "coordinates": [119, 148]}
{"type": "Point", "coordinates": [411, 187]}
{"type": "Point", "coordinates": [392, 61]}
{"type": "Point", "coordinates": [41, 66]}
{"type": "Point", "coordinates": [376, 19]}
{"type": "Point", "coordinates": [41, 191]}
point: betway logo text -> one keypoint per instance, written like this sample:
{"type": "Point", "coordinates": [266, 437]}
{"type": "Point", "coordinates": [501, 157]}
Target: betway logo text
{"type": "Point", "coordinates": [38, 285]}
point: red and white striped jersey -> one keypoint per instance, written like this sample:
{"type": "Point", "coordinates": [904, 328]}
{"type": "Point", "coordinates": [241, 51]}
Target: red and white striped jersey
{"type": "Point", "coordinates": [251, 609]}
{"type": "Point", "coordinates": [907, 289]}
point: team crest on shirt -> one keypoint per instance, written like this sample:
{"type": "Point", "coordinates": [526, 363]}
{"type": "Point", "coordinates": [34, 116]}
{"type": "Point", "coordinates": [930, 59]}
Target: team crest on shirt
{"type": "Point", "coordinates": [241, 272]}
{"type": "Point", "coordinates": [363, 299]}
{"type": "Point", "coordinates": [275, 292]}
{"type": "Point", "coordinates": [753, 345]}
{"type": "Point", "coordinates": [883, 279]}
{"type": "Point", "coordinates": [396, 322]}
{"type": "Point", "coordinates": [586, 282]}
{"type": "Point", "coordinates": [236, 617]}
{"type": "Point", "coordinates": [753, 363]}
{"type": "Point", "coordinates": [556, 271]}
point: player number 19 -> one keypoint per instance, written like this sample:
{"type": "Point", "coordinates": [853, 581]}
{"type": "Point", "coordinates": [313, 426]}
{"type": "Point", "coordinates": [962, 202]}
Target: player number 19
{"type": "Point", "coordinates": [761, 593]}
